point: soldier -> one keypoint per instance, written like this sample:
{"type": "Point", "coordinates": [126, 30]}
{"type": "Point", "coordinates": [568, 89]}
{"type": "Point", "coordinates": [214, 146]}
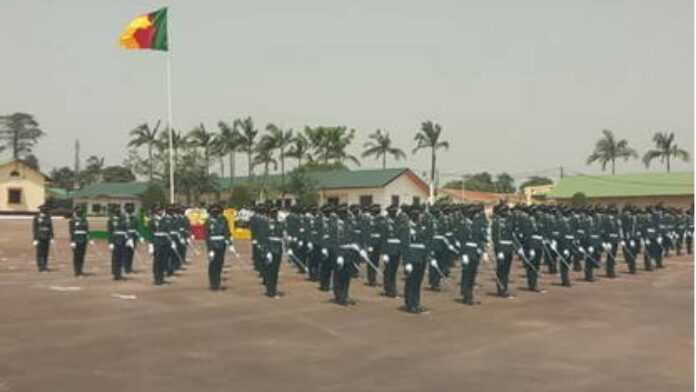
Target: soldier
{"type": "Point", "coordinates": [653, 240]}
{"type": "Point", "coordinates": [79, 235]}
{"type": "Point", "coordinates": [328, 230]}
{"type": "Point", "coordinates": [183, 225]}
{"type": "Point", "coordinates": [42, 228]}
{"type": "Point", "coordinates": [256, 254]}
{"type": "Point", "coordinates": [313, 226]}
{"type": "Point", "coordinates": [564, 246]}
{"type": "Point", "coordinates": [416, 258]}
{"type": "Point", "coordinates": [131, 219]}
{"type": "Point", "coordinates": [630, 237]}
{"type": "Point", "coordinates": [272, 244]}
{"type": "Point", "coordinates": [502, 233]}
{"type": "Point", "coordinates": [689, 235]}
{"type": "Point", "coordinates": [377, 237]}
{"type": "Point", "coordinates": [392, 251]}
{"type": "Point", "coordinates": [175, 260]}
{"type": "Point", "coordinates": [347, 256]}
{"type": "Point", "coordinates": [531, 243]}
{"type": "Point", "coordinates": [160, 246]}
{"type": "Point", "coordinates": [679, 230]}
{"type": "Point", "coordinates": [611, 235]}
{"type": "Point", "coordinates": [292, 224]}
{"type": "Point", "coordinates": [217, 240]}
{"type": "Point", "coordinates": [593, 245]}
{"type": "Point", "coordinates": [443, 248]}
{"type": "Point", "coordinates": [117, 228]}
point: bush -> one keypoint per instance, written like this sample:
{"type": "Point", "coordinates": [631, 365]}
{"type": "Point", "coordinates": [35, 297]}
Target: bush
{"type": "Point", "coordinates": [241, 196]}
{"type": "Point", "coordinates": [579, 199]}
{"type": "Point", "coordinates": [154, 195]}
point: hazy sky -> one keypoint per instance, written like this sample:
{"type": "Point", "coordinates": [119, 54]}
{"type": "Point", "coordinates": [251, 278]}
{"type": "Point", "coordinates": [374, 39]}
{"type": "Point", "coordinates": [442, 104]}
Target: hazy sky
{"type": "Point", "coordinates": [521, 86]}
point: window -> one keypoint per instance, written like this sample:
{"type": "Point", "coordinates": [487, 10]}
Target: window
{"type": "Point", "coordinates": [416, 200]}
{"type": "Point", "coordinates": [14, 173]}
{"type": "Point", "coordinates": [14, 196]}
{"type": "Point", "coordinates": [365, 200]}
{"type": "Point", "coordinates": [96, 208]}
{"type": "Point", "coordinates": [395, 200]}
{"type": "Point", "coordinates": [332, 201]}
{"type": "Point", "coordinates": [287, 203]}
{"type": "Point", "coordinates": [114, 205]}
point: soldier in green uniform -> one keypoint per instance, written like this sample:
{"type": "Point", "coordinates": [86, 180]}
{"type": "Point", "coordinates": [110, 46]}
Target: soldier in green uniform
{"type": "Point", "coordinates": [292, 225]}
{"type": "Point", "coordinates": [272, 244]}
{"type": "Point", "coordinates": [183, 225]}
{"type": "Point", "coordinates": [416, 258]}
{"type": "Point", "coordinates": [611, 236]}
{"type": "Point", "coordinates": [79, 236]}
{"type": "Point", "coordinates": [689, 234]}
{"type": "Point", "coordinates": [328, 230]}
{"type": "Point", "coordinates": [502, 233]}
{"type": "Point", "coordinates": [175, 260]}
{"type": "Point", "coordinates": [42, 229]}
{"type": "Point", "coordinates": [131, 219]}
{"type": "Point", "coordinates": [443, 248]}
{"type": "Point", "coordinates": [160, 246]}
{"type": "Point", "coordinates": [394, 230]}
{"type": "Point", "coordinates": [564, 246]}
{"type": "Point", "coordinates": [630, 237]}
{"type": "Point", "coordinates": [217, 240]}
{"type": "Point", "coordinates": [315, 229]}
{"type": "Point", "coordinates": [347, 255]}
{"type": "Point", "coordinates": [653, 240]}
{"type": "Point", "coordinates": [377, 236]}
{"type": "Point", "coordinates": [117, 228]}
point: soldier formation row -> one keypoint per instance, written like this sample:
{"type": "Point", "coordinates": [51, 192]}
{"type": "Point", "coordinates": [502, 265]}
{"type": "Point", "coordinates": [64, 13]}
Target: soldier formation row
{"type": "Point", "coordinates": [330, 244]}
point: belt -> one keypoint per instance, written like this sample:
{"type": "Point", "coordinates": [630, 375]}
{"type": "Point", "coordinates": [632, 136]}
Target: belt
{"type": "Point", "coordinates": [174, 233]}
{"type": "Point", "coordinates": [505, 242]}
{"type": "Point", "coordinates": [537, 237]}
{"type": "Point", "coordinates": [448, 234]}
{"type": "Point", "coordinates": [613, 235]}
{"type": "Point", "coordinates": [275, 239]}
{"type": "Point", "coordinates": [132, 231]}
{"type": "Point", "coordinates": [555, 233]}
{"type": "Point", "coordinates": [326, 236]}
{"type": "Point", "coordinates": [301, 230]}
{"type": "Point", "coordinates": [570, 237]}
{"type": "Point", "coordinates": [594, 236]}
{"type": "Point", "coordinates": [161, 234]}
{"type": "Point", "coordinates": [581, 231]}
{"type": "Point", "coordinates": [394, 241]}
{"type": "Point", "coordinates": [376, 235]}
{"type": "Point", "coordinates": [217, 237]}
{"type": "Point", "coordinates": [44, 228]}
{"type": "Point", "coordinates": [471, 244]}
{"type": "Point", "coordinates": [651, 230]}
{"type": "Point", "coordinates": [119, 233]}
{"type": "Point", "coordinates": [438, 237]}
{"type": "Point", "coordinates": [418, 246]}
{"type": "Point", "coordinates": [79, 232]}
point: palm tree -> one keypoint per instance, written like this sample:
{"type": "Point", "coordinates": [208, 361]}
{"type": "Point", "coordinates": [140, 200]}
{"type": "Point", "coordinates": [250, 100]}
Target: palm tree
{"type": "Point", "coordinates": [380, 146]}
{"type": "Point", "coordinates": [299, 149]}
{"type": "Point", "coordinates": [247, 136]}
{"type": "Point", "coordinates": [281, 140]}
{"type": "Point", "coordinates": [203, 139]}
{"type": "Point", "coordinates": [429, 137]}
{"type": "Point", "coordinates": [231, 141]}
{"type": "Point", "coordinates": [608, 149]}
{"type": "Point", "coordinates": [666, 150]}
{"type": "Point", "coordinates": [179, 141]}
{"type": "Point", "coordinates": [264, 156]}
{"type": "Point", "coordinates": [143, 135]}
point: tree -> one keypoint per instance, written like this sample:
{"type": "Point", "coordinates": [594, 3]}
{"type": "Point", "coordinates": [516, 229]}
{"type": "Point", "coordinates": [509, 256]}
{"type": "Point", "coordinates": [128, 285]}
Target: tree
{"type": "Point", "coordinates": [429, 137]}
{"type": "Point", "coordinates": [154, 195]}
{"type": "Point", "coordinates": [380, 146]}
{"type": "Point", "coordinates": [63, 178]}
{"type": "Point", "coordinates": [666, 149]}
{"type": "Point", "coordinates": [204, 140]}
{"type": "Point", "coordinates": [19, 132]}
{"type": "Point", "coordinates": [505, 183]}
{"type": "Point", "coordinates": [230, 142]}
{"type": "Point", "coordinates": [480, 182]}
{"type": "Point", "coordinates": [179, 141]}
{"type": "Point", "coordinates": [608, 149]}
{"type": "Point", "coordinates": [247, 135]}
{"type": "Point", "coordinates": [299, 149]}
{"type": "Point", "coordinates": [281, 141]}
{"type": "Point", "coordinates": [117, 174]}
{"type": "Point", "coordinates": [579, 199]}
{"type": "Point", "coordinates": [264, 156]}
{"type": "Point", "coordinates": [93, 171]}
{"type": "Point", "coordinates": [143, 135]}
{"type": "Point", "coordinates": [242, 196]}
{"type": "Point", "coordinates": [302, 186]}
{"type": "Point", "coordinates": [536, 181]}
{"type": "Point", "coordinates": [32, 161]}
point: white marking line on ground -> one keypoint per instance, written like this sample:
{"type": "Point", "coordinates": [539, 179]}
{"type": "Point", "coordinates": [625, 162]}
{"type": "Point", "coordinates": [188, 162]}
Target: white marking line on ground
{"type": "Point", "coordinates": [65, 288]}
{"type": "Point", "coordinates": [124, 296]}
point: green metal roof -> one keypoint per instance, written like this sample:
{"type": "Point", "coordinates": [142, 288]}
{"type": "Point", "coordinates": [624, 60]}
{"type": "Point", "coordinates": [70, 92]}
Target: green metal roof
{"type": "Point", "coordinates": [58, 193]}
{"type": "Point", "coordinates": [111, 189]}
{"type": "Point", "coordinates": [332, 179]}
{"type": "Point", "coordinates": [626, 185]}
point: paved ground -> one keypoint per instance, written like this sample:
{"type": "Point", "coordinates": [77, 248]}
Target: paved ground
{"type": "Point", "coordinates": [59, 333]}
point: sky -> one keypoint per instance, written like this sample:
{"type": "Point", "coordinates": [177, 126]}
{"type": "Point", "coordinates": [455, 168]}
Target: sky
{"type": "Point", "coordinates": [518, 86]}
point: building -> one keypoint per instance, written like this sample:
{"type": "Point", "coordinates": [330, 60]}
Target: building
{"type": "Point", "coordinates": [670, 189]}
{"type": "Point", "coordinates": [22, 188]}
{"type": "Point", "coordinates": [536, 193]}
{"type": "Point", "coordinates": [488, 199]}
{"type": "Point", "coordinates": [98, 198]}
{"type": "Point", "coordinates": [364, 187]}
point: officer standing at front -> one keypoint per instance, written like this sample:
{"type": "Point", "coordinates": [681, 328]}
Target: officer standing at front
{"type": "Point", "coordinates": [42, 228]}
{"type": "Point", "coordinates": [79, 235]}
{"type": "Point", "coordinates": [133, 237]}
{"type": "Point", "coordinates": [159, 248]}
{"type": "Point", "coordinates": [117, 228]}
{"type": "Point", "coordinates": [217, 239]}
{"type": "Point", "coordinates": [272, 243]}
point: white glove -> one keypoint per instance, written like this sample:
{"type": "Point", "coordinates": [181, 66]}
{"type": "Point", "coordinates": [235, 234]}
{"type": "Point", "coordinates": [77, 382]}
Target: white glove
{"type": "Point", "coordinates": [581, 249]}
{"type": "Point", "coordinates": [633, 243]}
{"type": "Point", "coordinates": [150, 248]}
{"type": "Point", "coordinates": [269, 257]}
{"type": "Point", "coordinates": [532, 253]}
{"type": "Point", "coordinates": [659, 240]}
{"type": "Point", "coordinates": [459, 244]}
{"type": "Point", "coordinates": [566, 253]}
{"type": "Point", "coordinates": [340, 261]}
{"type": "Point", "coordinates": [290, 252]}
{"type": "Point", "coordinates": [385, 258]}
{"type": "Point", "coordinates": [370, 249]}
{"type": "Point", "coordinates": [590, 249]}
{"type": "Point", "coordinates": [325, 252]}
{"type": "Point", "coordinates": [501, 256]}
{"type": "Point", "coordinates": [485, 257]}
{"type": "Point", "coordinates": [73, 245]}
{"type": "Point", "coordinates": [520, 252]}
{"type": "Point", "coordinates": [310, 246]}
{"type": "Point", "coordinates": [363, 254]}
{"type": "Point", "coordinates": [433, 263]}
{"type": "Point", "coordinates": [192, 237]}
{"type": "Point", "coordinates": [54, 241]}
{"type": "Point", "coordinates": [111, 246]}
{"type": "Point", "coordinates": [623, 243]}
{"type": "Point", "coordinates": [409, 268]}
{"type": "Point", "coordinates": [647, 242]}
{"type": "Point", "coordinates": [211, 254]}
{"type": "Point", "coordinates": [173, 245]}
{"type": "Point", "coordinates": [91, 242]}
{"type": "Point", "coordinates": [232, 249]}
{"type": "Point", "coordinates": [465, 259]}
{"type": "Point", "coordinates": [301, 243]}
{"type": "Point", "coordinates": [554, 245]}
{"type": "Point", "coordinates": [130, 244]}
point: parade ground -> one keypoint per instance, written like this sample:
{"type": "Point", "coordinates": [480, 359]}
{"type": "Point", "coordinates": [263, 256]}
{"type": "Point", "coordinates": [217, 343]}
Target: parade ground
{"type": "Point", "coordinates": [59, 333]}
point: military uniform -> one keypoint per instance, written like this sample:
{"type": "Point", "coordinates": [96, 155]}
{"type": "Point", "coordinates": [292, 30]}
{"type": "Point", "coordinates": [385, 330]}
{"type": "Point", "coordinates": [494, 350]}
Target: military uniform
{"type": "Point", "coordinates": [329, 246]}
{"type": "Point", "coordinates": [79, 236]}
{"type": "Point", "coordinates": [564, 247]}
{"type": "Point", "coordinates": [347, 256]}
{"type": "Point", "coordinates": [42, 230]}
{"type": "Point", "coordinates": [117, 228]}
{"type": "Point", "coordinates": [415, 260]}
{"type": "Point", "coordinates": [502, 232]}
{"type": "Point", "coordinates": [133, 238]}
{"type": "Point", "coordinates": [217, 239]}
{"type": "Point", "coordinates": [376, 228]}
{"type": "Point", "coordinates": [611, 236]}
{"type": "Point", "coordinates": [272, 245]}
{"type": "Point", "coordinates": [160, 247]}
{"type": "Point", "coordinates": [630, 238]}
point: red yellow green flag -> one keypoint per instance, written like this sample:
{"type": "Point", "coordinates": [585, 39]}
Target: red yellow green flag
{"type": "Point", "coordinates": [147, 32]}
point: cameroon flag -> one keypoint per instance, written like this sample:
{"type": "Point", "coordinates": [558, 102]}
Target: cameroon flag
{"type": "Point", "coordinates": [147, 32]}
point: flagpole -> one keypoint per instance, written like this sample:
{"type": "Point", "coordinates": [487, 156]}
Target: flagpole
{"type": "Point", "coordinates": [171, 126]}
